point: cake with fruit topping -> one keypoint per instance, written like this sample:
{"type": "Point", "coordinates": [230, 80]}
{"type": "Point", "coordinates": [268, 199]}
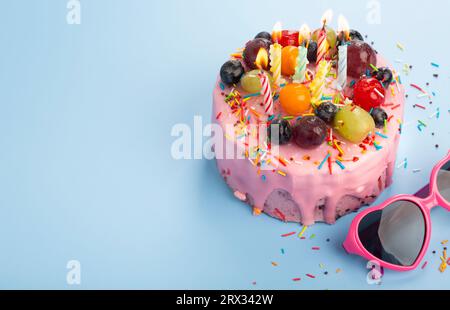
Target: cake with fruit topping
{"type": "Point", "coordinates": [312, 120]}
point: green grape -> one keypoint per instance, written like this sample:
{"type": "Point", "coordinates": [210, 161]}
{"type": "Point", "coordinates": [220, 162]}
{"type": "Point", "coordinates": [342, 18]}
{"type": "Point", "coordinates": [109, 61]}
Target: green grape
{"type": "Point", "coordinates": [353, 123]}
{"type": "Point", "coordinates": [251, 82]}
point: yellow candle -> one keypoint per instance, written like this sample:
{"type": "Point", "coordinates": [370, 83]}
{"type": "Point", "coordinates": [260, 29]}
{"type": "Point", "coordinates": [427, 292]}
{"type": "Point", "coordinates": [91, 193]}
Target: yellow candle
{"type": "Point", "coordinates": [275, 62]}
{"type": "Point", "coordinates": [318, 84]}
{"type": "Point", "coordinates": [275, 54]}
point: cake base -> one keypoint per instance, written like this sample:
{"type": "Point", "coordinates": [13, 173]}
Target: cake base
{"type": "Point", "coordinates": [280, 199]}
{"type": "Point", "coordinates": [300, 190]}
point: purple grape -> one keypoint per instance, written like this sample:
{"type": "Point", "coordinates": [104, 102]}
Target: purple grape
{"type": "Point", "coordinates": [310, 132]}
{"type": "Point", "coordinates": [360, 56]}
{"type": "Point", "coordinates": [264, 35]}
{"type": "Point", "coordinates": [252, 49]}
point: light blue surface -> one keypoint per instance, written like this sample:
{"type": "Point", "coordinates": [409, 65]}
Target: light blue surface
{"type": "Point", "coordinates": [86, 113]}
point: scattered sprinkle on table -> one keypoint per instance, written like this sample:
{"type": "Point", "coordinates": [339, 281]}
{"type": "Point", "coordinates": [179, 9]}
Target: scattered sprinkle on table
{"type": "Point", "coordinates": [289, 234]}
{"type": "Point", "coordinates": [302, 232]}
{"type": "Point", "coordinates": [424, 265]}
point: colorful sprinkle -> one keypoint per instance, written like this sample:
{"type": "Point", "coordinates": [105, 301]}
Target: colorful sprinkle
{"type": "Point", "coordinates": [424, 265]}
{"type": "Point", "coordinates": [324, 161]}
{"type": "Point", "coordinates": [302, 232]}
{"type": "Point", "coordinates": [288, 234]}
{"type": "Point", "coordinates": [381, 135]}
{"type": "Point", "coordinates": [340, 164]}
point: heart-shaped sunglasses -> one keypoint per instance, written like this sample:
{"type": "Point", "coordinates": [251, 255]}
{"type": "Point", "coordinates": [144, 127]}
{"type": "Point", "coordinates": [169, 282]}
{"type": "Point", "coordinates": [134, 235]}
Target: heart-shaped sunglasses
{"type": "Point", "coordinates": [396, 234]}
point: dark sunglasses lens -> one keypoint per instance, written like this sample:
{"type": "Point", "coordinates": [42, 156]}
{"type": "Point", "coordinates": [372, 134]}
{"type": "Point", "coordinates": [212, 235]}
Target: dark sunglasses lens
{"type": "Point", "coordinates": [443, 181]}
{"type": "Point", "coordinates": [395, 234]}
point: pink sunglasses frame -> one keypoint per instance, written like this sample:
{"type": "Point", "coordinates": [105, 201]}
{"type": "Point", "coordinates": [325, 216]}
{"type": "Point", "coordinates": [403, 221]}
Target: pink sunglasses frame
{"type": "Point", "coordinates": [353, 244]}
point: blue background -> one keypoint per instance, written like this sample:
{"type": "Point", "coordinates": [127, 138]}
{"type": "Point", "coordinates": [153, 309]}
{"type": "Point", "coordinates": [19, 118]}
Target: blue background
{"type": "Point", "coordinates": [86, 173]}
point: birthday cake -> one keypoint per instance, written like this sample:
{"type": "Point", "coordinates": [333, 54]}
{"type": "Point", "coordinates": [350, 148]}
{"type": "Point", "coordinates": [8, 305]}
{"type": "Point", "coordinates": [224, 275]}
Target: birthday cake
{"type": "Point", "coordinates": [310, 121]}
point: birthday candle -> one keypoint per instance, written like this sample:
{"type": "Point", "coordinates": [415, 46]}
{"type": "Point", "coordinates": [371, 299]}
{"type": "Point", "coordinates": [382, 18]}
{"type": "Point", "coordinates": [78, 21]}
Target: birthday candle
{"type": "Point", "coordinates": [266, 91]}
{"type": "Point", "coordinates": [302, 59]}
{"type": "Point", "coordinates": [343, 49]}
{"type": "Point", "coordinates": [318, 84]}
{"type": "Point", "coordinates": [322, 46]}
{"type": "Point", "coordinates": [342, 66]}
{"type": "Point", "coordinates": [302, 63]}
{"type": "Point", "coordinates": [276, 54]}
{"type": "Point", "coordinates": [322, 41]}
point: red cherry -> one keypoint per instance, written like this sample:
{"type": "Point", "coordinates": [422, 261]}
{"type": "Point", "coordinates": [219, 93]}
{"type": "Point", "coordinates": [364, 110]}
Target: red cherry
{"type": "Point", "coordinates": [289, 38]}
{"type": "Point", "coordinates": [369, 93]}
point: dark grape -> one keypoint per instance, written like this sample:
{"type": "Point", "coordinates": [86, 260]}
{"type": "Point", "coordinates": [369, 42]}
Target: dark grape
{"type": "Point", "coordinates": [264, 35]}
{"type": "Point", "coordinates": [312, 52]}
{"type": "Point", "coordinates": [252, 49]}
{"type": "Point", "coordinates": [310, 132]}
{"type": "Point", "coordinates": [284, 129]}
{"type": "Point", "coordinates": [360, 56]}
{"type": "Point", "coordinates": [231, 72]}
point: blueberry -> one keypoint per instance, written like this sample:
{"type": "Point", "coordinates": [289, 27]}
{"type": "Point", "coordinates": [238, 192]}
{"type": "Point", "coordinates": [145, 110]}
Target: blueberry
{"type": "Point", "coordinates": [264, 35]}
{"type": "Point", "coordinates": [327, 111]}
{"type": "Point", "coordinates": [285, 132]}
{"type": "Point", "coordinates": [379, 116]}
{"type": "Point", "coordinates": [384, 75]}
{"type": "Point", "coordinates": [312, 52]}
{"type": "Point", "coordinates": [354, 36]}
{"type": "Point", "coordinates": [231, 72]}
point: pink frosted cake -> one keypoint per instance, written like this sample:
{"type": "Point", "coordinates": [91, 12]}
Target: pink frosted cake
{"type": "Point", "coordinates": [332, 109]}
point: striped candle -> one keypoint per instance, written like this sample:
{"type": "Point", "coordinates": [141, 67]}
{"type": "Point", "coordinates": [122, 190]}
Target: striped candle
{"type": "Point", "coordinates": [322, 41]}
{"type": "Point", "coordinates": [322, 45]}
{"type": "Point", "coordinates": [266, 91]}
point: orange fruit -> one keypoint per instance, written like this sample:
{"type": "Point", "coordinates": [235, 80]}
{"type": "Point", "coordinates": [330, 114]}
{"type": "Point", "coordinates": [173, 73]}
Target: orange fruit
{"type": "Point", "coordinates": [295, 99]}
{"type": "Point", "coordinates": [289, 60]}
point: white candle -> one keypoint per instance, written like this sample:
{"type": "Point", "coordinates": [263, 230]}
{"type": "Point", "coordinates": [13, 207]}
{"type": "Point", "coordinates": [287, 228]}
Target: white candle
{"type": "Point", "coordinates": [343, 49]}
{"type": "Point", "coordinates": [342, 66]}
